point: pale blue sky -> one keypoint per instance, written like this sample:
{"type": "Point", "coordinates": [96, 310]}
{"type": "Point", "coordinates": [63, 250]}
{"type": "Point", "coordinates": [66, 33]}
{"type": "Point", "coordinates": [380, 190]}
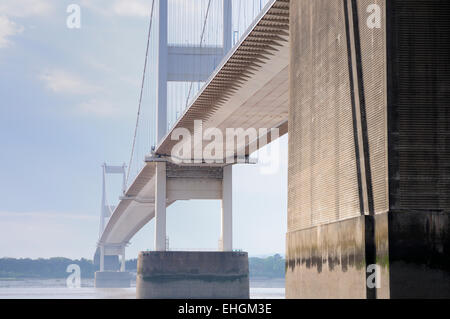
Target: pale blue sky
{"type": "Point", "coordinates": [68, 101]}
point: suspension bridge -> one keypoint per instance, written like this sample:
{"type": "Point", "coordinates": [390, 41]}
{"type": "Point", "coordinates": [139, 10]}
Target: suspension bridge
{"type": "Point", "coordinates": [362, 89]}
{"type": "Point", "coordinates": [221, 62]}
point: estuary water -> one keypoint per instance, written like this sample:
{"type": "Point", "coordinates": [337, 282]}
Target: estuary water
{"type": "Point", "coordinates": [56, 289]}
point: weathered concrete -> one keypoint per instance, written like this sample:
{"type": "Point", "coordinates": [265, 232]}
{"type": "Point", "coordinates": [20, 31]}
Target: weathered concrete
{"type": "Point", "coordinates": [382, 254]}
{"type": "Point", "coordinates": [419, 254]}
{"type": "Point", "coordinates": [412, 252]}
{"type": "Point", "coordinates": [192, 275]}
{"type": "Point", "coordinates": [369, 149]}
{"type": "Point", "coordinates": [327, 261]}
{"type": "Point", "coordinates": [112, 279]}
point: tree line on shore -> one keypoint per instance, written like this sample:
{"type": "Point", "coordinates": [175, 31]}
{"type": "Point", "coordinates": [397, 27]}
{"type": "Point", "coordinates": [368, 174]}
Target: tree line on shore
{"type": "Point", "coordinates": [53, 268]}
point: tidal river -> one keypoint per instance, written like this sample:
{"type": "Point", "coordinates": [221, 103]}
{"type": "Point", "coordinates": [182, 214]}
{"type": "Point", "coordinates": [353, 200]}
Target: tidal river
{"type": "Point", "coordinates": [56, 289]}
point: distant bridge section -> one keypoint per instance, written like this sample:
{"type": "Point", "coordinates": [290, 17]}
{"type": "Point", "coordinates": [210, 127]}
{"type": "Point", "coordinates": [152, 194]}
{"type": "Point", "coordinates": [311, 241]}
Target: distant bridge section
{"type": "Point", "coordinates": [248, 89]}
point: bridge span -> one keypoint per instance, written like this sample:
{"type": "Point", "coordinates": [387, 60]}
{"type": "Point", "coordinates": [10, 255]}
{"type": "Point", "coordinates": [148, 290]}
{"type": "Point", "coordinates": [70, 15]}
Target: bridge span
{"type": "Point", "coordinates": [248, 89]}
{"type": "Point", "coordinates": [361, 86]}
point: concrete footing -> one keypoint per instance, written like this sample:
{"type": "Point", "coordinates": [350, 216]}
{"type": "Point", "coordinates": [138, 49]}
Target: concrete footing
{"type": "Point", "coordinates": [411, 250]}
{"type": "Point", "coordinates": [112, 279]}
{"type": "Point", "coordinates": [192, 275]}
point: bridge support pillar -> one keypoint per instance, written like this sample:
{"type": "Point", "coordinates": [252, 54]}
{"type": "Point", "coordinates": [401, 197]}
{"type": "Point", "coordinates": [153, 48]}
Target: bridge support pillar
{"type": "Point", "coordinates": [192, 275]}
{"type": "Point", "coordinates": [227, 210]}
{"type": "Point", "coordinates": [112, 272]}
{"type": "Point", "coordinates": [381, 231]}
{"type": "Point", "coordinates": [112, 279]}
{"type": "Point", "coordinates": [160, 207]}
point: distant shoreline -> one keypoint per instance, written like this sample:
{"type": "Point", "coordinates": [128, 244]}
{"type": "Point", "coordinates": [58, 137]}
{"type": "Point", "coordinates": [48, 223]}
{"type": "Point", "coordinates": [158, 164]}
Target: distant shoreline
{"type": "Point", "coordinates": [11, 269]}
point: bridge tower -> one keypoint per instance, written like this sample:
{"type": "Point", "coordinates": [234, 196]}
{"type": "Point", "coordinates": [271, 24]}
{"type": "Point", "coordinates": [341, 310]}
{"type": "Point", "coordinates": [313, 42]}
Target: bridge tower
{"type": "Point", "coordinates": [168, 57]}
{"type": "Point", "coordinates": [106, 209]}
{"type": "Point", "coordinates": [107, 256]}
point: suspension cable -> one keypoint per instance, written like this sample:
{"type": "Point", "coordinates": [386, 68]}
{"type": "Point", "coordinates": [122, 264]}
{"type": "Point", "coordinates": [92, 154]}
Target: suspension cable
{"type": "Point", "coordinates": [142, 90]}
{"type": "Point", "coordinates": [201, 41]}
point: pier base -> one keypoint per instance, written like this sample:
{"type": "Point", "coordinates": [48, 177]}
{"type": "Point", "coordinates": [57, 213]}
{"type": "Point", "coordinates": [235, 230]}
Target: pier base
{"type": "Point", "coordinates": [410, 249]}
{"type": "Point", "coordinates": [192, 275]}
{"type": "Point", "coordinates": [112, 279]}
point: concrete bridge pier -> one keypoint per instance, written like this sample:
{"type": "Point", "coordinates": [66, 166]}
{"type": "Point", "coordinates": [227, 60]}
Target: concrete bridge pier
{"type": "Point", "coordinates": [369, 199]}
{"type": "Point", "coordinates": [112, 272]}
{"type": "Point", "coordinates": [192, 275]}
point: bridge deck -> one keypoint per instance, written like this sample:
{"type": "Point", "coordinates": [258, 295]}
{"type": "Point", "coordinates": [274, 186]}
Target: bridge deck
{"type": "Point", "coordinates": [249, 89]}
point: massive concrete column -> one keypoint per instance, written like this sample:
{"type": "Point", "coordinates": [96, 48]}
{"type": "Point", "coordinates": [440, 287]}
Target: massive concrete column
{"type": "Point", "coordinates": [227, 209]}
{"type": "Point", "coordinates": [368, 199]}
{"type": "Point", "coordinates": [160, 207]}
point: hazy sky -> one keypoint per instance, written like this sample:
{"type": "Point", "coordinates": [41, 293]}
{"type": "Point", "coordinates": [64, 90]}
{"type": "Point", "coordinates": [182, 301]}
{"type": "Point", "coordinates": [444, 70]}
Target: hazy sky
{"type": "Point", "coordinates": [68, 100]}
